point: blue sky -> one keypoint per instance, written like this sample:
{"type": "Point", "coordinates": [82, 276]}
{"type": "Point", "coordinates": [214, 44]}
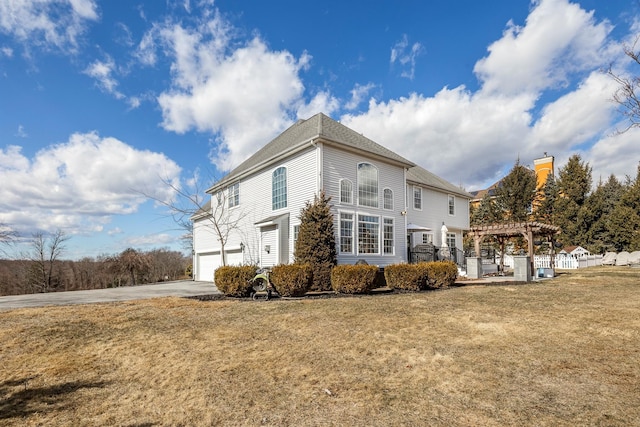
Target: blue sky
{"type": "Point", "coordinates": [101, 101]}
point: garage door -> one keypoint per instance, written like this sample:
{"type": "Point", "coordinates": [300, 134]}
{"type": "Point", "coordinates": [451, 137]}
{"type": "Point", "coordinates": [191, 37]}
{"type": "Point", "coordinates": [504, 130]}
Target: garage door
{"type": "Point", "coordinates": [206, 265]}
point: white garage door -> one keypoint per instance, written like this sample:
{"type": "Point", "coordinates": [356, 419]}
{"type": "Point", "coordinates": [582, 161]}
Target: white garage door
{"type": "Point", "coordinates": [207, 264]}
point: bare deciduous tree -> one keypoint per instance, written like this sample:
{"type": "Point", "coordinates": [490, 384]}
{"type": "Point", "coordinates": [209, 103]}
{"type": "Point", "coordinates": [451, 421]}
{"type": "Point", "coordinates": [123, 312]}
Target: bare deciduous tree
{"type": "Point", "coordinates": [45, 254]}
{"type": "Point", "coordinates": [219, 212]}
{"type": "Point", "coordinates": [627, 96]}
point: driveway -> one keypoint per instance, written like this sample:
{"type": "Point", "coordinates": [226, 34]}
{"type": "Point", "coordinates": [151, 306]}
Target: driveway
{"type": "Point", "coordinates": [181, 288]}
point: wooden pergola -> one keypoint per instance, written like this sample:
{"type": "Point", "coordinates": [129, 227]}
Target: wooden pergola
{"type": "Point", "coordinates": [530, 230]}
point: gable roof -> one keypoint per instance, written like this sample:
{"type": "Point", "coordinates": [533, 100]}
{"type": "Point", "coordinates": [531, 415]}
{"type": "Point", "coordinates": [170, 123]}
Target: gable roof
{"type": "Point", "coordinates": [421, 176]}
{"type": "Point", "coordinates": [304, 133]}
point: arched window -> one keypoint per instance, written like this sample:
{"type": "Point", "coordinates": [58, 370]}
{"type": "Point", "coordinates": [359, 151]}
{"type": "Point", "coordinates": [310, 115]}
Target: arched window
{"type": "Point", "coordinates": [367, 185]}
{"type": "Point", "coordinates": [387, 196]}
{"type": "Point", "coordinates": [346, 191]}
{"type": "Point", "coordinates": [279, 189]}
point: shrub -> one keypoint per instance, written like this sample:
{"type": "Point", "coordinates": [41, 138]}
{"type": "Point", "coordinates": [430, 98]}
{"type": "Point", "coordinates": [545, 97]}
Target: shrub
{"type": "Point", "coordinates": [410, 277]}
{"type": "Point", "coordinates": [440, 273]}
{"type": "Point", "coordinates": [235, 281]}
{"type": "Point", "coordinates": [292, 280]}
{"type": "Point", "coordinates": [353, 279]}
{"type": "Point", "coordinates": [316, 242]}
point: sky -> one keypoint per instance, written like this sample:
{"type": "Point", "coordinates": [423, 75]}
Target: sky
{"type": "Point", "coordinates": [103, 103]}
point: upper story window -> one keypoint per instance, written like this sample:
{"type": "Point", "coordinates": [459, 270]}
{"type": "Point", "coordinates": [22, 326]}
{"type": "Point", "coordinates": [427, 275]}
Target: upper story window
{"type": "Point", "coordinates": [427, 238]}
{"type": "Point", "coordinates": [452, 205]}
{"type": "Point", "coordinates": [346, 191]}
{"type": "Point", "coordinates": [233, 195]}
{"type": "Point", "coordinates": [367, 185]}
{"type": "Point", "coordinates": [387, 197]}
{"type": "Point", "coordinates": [417, 198]}
{"type": "Point", "coordinates": [279, 188]}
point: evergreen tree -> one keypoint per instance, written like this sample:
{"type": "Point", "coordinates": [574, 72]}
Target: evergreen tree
{"type": "Point", "coordinates": [515, 196]}
{"type": "Point", "coordinates": [486, 212]}
{"type": "Point", "coordinates": [574, 185]}
{"type": "Point", "coordinates": [597, 211]}
{"type": "Point", "coordinates": [629, 210]}
{"type": "Point", "coordinates": [545, 211]}
{"type": "Point", "coordinates": [316, 243]}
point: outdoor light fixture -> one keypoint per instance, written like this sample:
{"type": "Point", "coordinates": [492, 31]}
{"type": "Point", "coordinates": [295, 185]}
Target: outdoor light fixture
{"type": "Point", "coordinates": [241, 247]}
{"type": "Point", "coordinates": [267, 248]}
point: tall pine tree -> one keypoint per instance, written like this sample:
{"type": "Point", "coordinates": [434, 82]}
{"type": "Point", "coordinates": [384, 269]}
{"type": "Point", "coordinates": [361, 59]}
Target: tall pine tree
{"type": "Point", "coordinates": [516, 194]}
{"type": "Point", "coordinates": [574, 185]}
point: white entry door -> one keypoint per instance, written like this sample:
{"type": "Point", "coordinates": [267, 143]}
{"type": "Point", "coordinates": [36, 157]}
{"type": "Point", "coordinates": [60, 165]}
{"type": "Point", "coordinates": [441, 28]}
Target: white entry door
{"type": "Point", "coordinates": [269, 246]}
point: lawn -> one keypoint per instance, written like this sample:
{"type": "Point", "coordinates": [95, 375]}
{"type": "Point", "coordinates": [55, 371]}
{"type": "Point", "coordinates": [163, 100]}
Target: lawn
{"type": "Point", "coordinates": [560, 352]}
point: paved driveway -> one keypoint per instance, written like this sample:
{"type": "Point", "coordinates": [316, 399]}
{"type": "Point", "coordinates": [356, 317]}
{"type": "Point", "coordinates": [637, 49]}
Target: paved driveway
{"type": "Point", "coordinates": [182, 288]}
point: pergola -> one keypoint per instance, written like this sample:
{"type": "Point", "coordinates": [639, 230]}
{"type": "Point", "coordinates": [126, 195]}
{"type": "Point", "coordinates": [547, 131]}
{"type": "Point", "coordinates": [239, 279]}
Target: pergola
{"type": "Point", "coordinates": [529, 230]}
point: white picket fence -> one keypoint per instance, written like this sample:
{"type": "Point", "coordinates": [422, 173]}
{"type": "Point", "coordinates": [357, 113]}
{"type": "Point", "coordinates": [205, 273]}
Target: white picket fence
{"type": "Point", "coordinates": [561, 262]}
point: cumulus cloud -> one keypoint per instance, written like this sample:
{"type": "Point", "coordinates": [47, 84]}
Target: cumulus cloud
{"type": "Point", "coordinates": [542, 89]}
{"type": "Point", "coordinates": [242, 92]}
{"type": "Point", "coordinates": [50, 24]}
{"type": "Point", "coordinates": [558, 38]}
{"type": "Point", "coordinates": [78, 185]}
{"type": "Point", "coordinates": [358, 94]}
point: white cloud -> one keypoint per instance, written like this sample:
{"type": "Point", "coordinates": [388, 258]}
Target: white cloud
{"type": "Point", "coordinates": [47, 23]}
{"type": "Point", "coordinates": [151, 240]}
{"type": "Point", "coordinates": [406, 56]}
{"type": "Point", "coordinates": [615, 154]}
{"type": "Point", "coordinates": [6, 51]}
{"type": "Point", "coordinates": [559, 38]}
{"type": "Point", "coordinates": [358, 94]}
{"type": "Point", "coordinates": [541, 90]}
{"type": "Point", "coordinates": [21, 133]}
{"type": "Point", "coordinates": [103, 71]}
{"type": "Point", "coordinates": [78, 185]}
{"type": "Point", "coordinates": [243, 93]}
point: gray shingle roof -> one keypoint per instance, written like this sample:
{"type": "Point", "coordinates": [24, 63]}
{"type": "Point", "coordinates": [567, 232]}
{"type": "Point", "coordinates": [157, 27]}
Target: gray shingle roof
{"type": "Point", "coordinates": [329, 131]}
{"type": "Point", "coordinates": [302, 133]}
{"type": "Point", "coordinates": [422, 176]}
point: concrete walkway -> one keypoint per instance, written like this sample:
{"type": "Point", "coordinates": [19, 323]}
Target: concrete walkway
{"type": "Point", "coordinates": [182, 288]}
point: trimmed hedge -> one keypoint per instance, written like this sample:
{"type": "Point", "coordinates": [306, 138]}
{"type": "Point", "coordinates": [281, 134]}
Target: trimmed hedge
{"type": "Point", "coordinates": [441, 273]}
{"type": "Point", "coordinates": [292, 280]}
{"type": "Point", "coordinates": [354, 279]}
{"type": "Point", "coordinates": [424, 275]}
{"type": "Point", "coordinates": [409, 277]}
{"type": "Point", "coordinates": [234, 281]}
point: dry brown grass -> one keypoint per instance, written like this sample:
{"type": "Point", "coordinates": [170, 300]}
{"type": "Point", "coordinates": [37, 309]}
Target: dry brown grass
{"type": "Point", "coordinates": [561, 352]}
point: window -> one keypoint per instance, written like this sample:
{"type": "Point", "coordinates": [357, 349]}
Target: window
{"type": "Point", "coordinates": [427, 238]}
{"type": "Point", "coordinates": [279, 189]}
{"type": "Point", "coordinates": [417, 198]}
{"type": "Point", "coordinates": [234, 195]}
{"type": "Point", "coordinates": [387, 196]}
{"type": "Point", "coordinates": [452, 205]}
{"type": "Point", "coordinates": [368, 234]}
{"type": "Point", "coordinates": [346, 191]}
{"type": "Point", "coordinates": [451, 240]}
{"type": "Point", "coordinates": [367, 185]}
{"type": "Point", "coordinates": [346, 232]}
{"type": "Point", "coordinates": [296, 232]}
{"type": "Point", "coordinates": [387, 236]}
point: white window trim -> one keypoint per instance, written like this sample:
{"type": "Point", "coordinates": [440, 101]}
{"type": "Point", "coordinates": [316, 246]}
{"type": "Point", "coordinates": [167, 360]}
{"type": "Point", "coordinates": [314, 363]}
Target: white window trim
{"type": "Point", "coordinates": [286, 184]}
{"type": "Point", "coordinates": [413, 198]}
{"type": "Point", "coordinates": [356, 240]}
{"type": "Point", "coordinates": [383, 199]}
{"type": "Point", "coordinates": [377, 200]}
{"type": "Point", "coordinates": [449, 197]}
{"type": "Point", "coordinates": [393, 237]}
{"type": "Point", "coordinates": [354, 226]}
{"type": "Point", "coordinates": [340, 191]}
{"type": "Point", "coordinates": [229, 197]}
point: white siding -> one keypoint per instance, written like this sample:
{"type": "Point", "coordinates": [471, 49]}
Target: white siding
{"type": "Point", "coordinates": [255, 206]}
{"type": "Point", "coordinates": [435, 212]}
{"type": "Point", "coordinates": [339, 165]}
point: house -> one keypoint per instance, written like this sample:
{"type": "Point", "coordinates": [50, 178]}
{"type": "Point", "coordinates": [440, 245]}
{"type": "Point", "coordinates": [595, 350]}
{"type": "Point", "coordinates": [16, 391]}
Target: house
{"type": "Point", "coordinates": [375, 194]}
{"type": "Point", "coordinates": [542, 168]}
{"type": "Point", "coordinates": [574, 251]}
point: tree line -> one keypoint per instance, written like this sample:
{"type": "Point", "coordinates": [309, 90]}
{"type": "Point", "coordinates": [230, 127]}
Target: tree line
{"type": "Point", "coordinates": [600, 219]}
{"type": "Point", "coordinates": [43, 270]}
